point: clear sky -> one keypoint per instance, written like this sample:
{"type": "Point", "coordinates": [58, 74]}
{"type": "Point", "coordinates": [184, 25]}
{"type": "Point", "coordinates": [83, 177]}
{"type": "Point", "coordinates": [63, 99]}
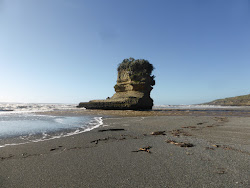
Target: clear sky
{"type": "Point", "coordinates": [67, 51]}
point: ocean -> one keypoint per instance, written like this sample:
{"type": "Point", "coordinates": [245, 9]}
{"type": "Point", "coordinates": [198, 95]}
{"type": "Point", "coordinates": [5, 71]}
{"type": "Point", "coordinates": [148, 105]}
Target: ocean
{"type": "Point", "coordinates": [195, 107]}
{"type": "Point", "coordinates": [20, 124]}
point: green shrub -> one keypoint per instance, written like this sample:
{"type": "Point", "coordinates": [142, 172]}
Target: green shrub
{"type": "Point", "coordinates": [141, 66]}
{"type": "Point", "coordinates": [139, 69]}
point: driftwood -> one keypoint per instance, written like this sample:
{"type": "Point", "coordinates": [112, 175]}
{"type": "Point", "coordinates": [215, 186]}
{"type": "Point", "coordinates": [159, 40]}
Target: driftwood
{"type": "Point", "coordinates": [216, 146]}
{"type": "Point", "coordinates": [103, 130]}
{"type": "Point", "coordinates": [106, 139]}
{"type": "Point", "coordinates": [176, 132]}
{"type": "Point", "coordinates": [146, 149]}
{"type": "Point", "coordinates": [180, 144]}
{"type": "Point", "coordinates": [179, 132]}
{"type": "Point", "coordinates": [158, 133]}
{"type": "Point", "coordinates": [189, 127]}
{"type": "Point", "coordinates": [100, 139]}
{"type": "Point", "coordinates": [53, 149]}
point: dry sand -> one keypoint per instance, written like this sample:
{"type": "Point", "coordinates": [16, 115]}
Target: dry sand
{"type": "Point", "coordinates": [220, 156]}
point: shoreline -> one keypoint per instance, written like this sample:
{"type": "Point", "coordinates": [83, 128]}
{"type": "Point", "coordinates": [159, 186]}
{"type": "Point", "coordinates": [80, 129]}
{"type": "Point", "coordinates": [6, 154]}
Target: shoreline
{"type": "Point", "coordinates": [242, 112]}
{"type": "Point", "coordinates": [16, 140]}
{"type": "Point", "coordinates": [123, 153]}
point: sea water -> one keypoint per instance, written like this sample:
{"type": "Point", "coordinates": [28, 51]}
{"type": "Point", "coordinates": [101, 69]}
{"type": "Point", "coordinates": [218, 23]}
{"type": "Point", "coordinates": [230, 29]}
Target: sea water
{"type": "Point", "coordinates": [195, 107]}
{"type": "Point", "coordinates": [19, 124]}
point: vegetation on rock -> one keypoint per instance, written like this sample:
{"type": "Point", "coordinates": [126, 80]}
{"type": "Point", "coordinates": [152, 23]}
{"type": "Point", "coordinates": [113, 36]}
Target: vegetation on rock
{"type": "Point", "coordinates": [138, 69]}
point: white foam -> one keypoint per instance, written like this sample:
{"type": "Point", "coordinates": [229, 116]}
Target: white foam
{"type": "Point", "coordinates": [33, 107]}
{"type": "Point", "coordinates": [59, 120]}
{"type": "Point", "coordinates": [98, 120]}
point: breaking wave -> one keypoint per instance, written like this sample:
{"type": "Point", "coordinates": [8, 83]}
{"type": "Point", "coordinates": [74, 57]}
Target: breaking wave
{"type": "Point", "coordinates": [34, 130]}
{"type": "Point", "coordinates": [34, 107]}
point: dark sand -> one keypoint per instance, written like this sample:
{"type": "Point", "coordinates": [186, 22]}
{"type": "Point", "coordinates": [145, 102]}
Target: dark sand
{"type": "Point", "coordinates": [220, 156]}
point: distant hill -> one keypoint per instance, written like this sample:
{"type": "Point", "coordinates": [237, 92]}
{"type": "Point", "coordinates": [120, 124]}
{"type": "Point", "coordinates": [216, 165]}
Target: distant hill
{"type": "Point", "coordinates": [243, 100]}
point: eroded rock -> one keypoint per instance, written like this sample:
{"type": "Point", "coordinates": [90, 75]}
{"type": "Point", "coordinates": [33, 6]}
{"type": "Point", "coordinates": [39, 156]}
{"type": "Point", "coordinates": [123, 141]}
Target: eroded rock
{"type": "Point", "coordinates": [133, 87]}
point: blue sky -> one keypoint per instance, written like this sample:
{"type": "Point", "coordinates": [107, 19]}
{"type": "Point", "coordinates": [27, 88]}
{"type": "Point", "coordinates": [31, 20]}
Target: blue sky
{"type": "Point", "coordinates": [66, 51]}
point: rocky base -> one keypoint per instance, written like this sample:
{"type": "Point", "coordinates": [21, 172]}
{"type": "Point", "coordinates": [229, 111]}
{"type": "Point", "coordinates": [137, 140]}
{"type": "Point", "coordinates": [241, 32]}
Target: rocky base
{"type": "Point", "coordinates": [119, 104]}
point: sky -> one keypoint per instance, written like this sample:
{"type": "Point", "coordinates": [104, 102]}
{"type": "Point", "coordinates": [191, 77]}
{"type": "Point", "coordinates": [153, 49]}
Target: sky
{"type": "Point", "coordinates": [67, 51]}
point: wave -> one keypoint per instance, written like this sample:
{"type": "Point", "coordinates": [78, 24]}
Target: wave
{"type": "Point", "coordinates": [95, 123]}
{"type": "Point", "coordinates": [34, 107]}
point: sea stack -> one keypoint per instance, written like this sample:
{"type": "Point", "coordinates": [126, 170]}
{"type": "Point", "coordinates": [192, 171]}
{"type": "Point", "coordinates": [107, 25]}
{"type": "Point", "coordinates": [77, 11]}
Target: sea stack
{"type": "Point", "coordinates": [133, 87]}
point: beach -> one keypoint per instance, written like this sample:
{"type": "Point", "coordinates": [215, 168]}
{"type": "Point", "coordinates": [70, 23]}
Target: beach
{"type": "Point", "coordinates": [137, 149]}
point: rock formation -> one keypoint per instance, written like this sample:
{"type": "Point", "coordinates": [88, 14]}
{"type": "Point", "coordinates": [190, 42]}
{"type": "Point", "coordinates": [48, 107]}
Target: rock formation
{"type": "Point", "coordinates": [134, 84]}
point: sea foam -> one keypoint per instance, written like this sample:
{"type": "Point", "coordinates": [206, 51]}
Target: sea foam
{"type": "Point", "coordinates": [47, 135]}
{"type": "Point", "coordinates": [34, 107]}
{"type": "Point", "coordinates": [20, 125]}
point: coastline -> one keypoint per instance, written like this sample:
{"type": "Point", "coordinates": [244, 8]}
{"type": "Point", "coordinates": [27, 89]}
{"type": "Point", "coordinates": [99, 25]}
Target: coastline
{"type": "Point", "coordinates": [218, 158]}
{"type": "Point", "coordinates": [19, 140]}
{"type": "Point", "coordinates": [237, 111]}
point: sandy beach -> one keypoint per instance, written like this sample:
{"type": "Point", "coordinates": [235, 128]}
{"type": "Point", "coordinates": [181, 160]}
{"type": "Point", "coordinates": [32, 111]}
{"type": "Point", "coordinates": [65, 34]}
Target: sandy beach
{"type": "Point", "coordinates": [137, 149]}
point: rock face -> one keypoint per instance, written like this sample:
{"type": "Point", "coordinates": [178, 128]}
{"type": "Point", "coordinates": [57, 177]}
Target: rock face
{"type": "Point", "coordinates": [134, 84]}
{"type": "Point", "coordinates": [243, 100]}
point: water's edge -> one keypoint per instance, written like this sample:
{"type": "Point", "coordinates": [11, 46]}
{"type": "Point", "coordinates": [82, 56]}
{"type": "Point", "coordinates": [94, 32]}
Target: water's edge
{"type": "Point", "coordinates": [19, 140]}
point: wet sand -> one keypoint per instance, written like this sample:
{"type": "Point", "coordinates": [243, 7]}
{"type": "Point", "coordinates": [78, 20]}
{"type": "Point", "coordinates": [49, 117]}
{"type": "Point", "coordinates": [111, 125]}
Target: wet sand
{"type": "Point", "coordinates": [188, 151]}
{"type": "Point", "coordinates": [237, 111]}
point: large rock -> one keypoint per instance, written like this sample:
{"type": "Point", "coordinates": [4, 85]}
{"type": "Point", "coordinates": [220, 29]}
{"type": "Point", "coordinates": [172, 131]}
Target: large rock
{"type": "Point", "coordinates": [134, 84]}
